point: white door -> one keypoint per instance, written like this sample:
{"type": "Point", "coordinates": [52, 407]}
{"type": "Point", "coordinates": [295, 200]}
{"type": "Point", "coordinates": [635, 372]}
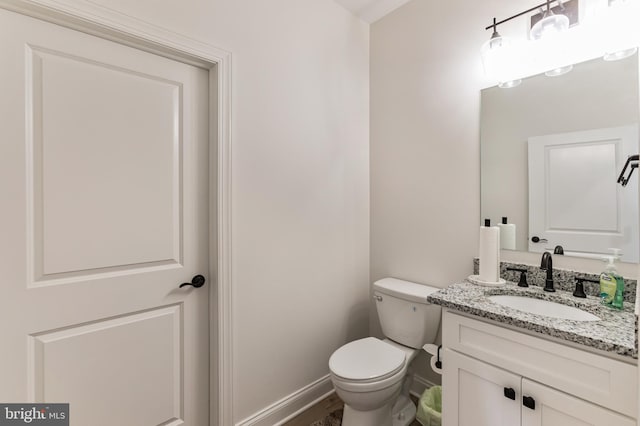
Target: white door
{"type": "Point", "coordinates": [103, 166]}
{"type": "Point", "coordinates": [554, 408]}
{"type": "Point", "coordinates": [574, 198]}
{"type": "Point", "coordinates": [477, 394]}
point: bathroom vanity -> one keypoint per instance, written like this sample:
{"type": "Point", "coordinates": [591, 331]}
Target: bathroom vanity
{"type": "Point", "coordinates": [507, 367]}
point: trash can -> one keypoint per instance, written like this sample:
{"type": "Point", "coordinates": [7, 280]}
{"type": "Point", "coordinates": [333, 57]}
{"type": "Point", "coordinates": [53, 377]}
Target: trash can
{"type": "Point", "coordinates": [430, 407]}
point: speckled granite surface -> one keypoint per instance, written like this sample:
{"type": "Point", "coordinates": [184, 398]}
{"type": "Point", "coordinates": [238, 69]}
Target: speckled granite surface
{"type": "Point", "coordinates": [615, 332]}
{"type": "Point", "coordinates": [564, 279]}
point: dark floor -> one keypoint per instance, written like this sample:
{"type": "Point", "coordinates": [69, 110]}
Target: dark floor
{"type": "Point", "coordinates": [323, 409]}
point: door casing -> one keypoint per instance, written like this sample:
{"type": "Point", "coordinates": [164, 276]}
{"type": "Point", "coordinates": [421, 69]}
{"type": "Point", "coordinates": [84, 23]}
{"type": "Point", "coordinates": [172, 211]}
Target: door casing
{"type": "Point", "coordinates": [115, 26]}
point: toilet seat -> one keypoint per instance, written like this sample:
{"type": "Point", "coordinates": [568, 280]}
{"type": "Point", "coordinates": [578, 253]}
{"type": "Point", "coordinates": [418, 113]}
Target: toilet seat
{"type": "Point", "coordinates": [366, 360]}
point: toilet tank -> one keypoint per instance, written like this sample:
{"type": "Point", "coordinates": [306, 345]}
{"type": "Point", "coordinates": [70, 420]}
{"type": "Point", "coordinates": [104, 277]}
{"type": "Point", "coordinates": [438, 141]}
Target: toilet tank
{"type": "Point", "coordinates": [405, 315]}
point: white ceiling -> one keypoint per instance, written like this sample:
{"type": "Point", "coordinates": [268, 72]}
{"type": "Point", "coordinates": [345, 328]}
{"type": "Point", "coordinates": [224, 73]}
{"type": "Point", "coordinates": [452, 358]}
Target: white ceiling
{"type": "Point", "coordinates": [371, 10]}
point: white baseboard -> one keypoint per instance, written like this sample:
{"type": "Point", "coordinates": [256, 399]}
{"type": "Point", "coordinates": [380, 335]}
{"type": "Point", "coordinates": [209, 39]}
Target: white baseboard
{"type": "Point", "coordinates": [291, 405]}
{"type": "Point", "coordinates": [419, 385]}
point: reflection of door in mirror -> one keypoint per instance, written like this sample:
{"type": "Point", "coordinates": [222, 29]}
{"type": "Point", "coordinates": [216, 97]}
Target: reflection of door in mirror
{"type": "Point", "coordinates": [574, 199]}
{"type": "Point", "coordinates": [596, 95]}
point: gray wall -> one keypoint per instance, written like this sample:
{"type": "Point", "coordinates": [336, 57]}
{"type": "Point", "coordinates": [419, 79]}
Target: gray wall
{"type": "Point", "coordinates": [300, 204]}
{"type": "Point", "coordinates": [426, 77]}
{"type": "Point", "coordinates": [425, 96]}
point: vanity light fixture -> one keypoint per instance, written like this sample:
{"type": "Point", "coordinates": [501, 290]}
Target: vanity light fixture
{"type": "Point", "coordinates": [504, 62]}
{"type": "Point", "coordinates": [609, 30]}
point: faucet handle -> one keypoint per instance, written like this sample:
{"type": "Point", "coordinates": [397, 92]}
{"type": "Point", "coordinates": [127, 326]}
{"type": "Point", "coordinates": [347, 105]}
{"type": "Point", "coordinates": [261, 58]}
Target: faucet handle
{"type": "Point", "coordinates": [579, 291]}
{"type": "Point", "coordinates": [523, 276]}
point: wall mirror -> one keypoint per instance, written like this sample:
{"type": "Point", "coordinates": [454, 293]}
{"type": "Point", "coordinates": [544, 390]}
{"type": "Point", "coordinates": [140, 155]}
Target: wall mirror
{"type": "Point", "coordinates": [551, 150]}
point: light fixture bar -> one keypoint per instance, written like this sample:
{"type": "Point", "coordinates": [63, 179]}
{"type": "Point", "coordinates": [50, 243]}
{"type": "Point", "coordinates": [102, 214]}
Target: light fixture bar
{"type": "Point", "coordinates": [495, 24]}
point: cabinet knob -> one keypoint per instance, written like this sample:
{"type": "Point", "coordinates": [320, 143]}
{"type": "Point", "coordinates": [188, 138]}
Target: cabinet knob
{"type": "Point", "coordinates": [529, 402]}
{"type": "Point", "coordinates": [510, 393]}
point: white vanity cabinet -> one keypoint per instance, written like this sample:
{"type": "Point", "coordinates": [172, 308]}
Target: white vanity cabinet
{"type": "Point", "coordinates": [473, 393]}
{"type": "Point", "coordinates": [495, 376]}
{"type": "Point", "coordinates": [554, 408]}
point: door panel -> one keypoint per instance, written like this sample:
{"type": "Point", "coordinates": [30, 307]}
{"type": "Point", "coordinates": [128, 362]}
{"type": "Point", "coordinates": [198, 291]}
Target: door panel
{"type": "Point", "coordinates": [80, 109]}
{"type": "Point", "coordinates": [554, 408]}
{"type": "Point", "coordinates": [574, 200]}
{"type": "Point", "coordinates": [85, 363]}
{"type": "Point", "coordinates": [480, 392]}
{"type": "Point", "coordinates": [104, 186]}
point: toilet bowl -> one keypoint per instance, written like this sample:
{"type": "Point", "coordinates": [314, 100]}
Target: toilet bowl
{"type": "Point", "coordinates": [370, 374]}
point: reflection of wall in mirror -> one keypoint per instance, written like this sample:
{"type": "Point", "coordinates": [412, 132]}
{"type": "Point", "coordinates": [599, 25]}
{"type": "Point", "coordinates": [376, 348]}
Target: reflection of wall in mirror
{"type": "Point", "coordinates": [596, 94]}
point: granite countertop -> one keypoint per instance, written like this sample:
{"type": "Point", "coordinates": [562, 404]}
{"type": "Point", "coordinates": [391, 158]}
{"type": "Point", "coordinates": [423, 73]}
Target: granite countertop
{"type": "Point", "coordinates": [614, 333]}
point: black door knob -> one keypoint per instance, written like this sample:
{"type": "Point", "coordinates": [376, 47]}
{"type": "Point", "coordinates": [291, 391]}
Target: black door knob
{"type": "Point", "coordinates": [197, 281]}
{"type": "Point", "coordinates": [537, 239]}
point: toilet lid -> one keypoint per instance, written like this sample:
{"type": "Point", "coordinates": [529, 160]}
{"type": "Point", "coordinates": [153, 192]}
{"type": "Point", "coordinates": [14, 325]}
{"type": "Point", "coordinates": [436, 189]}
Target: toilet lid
{"type": "Point", "coordinates": [366, 359]}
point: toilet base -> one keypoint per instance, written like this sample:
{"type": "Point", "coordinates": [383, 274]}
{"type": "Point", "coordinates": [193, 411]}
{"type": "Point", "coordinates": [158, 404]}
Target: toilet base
{"type": "Point", "coordinates": [378, 417]}
{"type": "Point", "coordinates": [401, 413]}
{"type": "Point", "coordinates": [404, 411]}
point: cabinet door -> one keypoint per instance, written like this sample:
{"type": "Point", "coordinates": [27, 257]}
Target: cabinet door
{"type": "Point", "coordinates": [477, 394]}
{"type": "Point", "coordinates": [555, 408]}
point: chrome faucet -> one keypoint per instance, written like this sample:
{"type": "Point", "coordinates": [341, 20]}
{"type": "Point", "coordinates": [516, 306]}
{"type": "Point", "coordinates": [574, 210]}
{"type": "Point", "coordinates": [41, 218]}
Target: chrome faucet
{"type": "Point", "coordinates": [547, 265]}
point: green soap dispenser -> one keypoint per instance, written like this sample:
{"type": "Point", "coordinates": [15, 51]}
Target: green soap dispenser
{"type": "Point", "coordinates": [612, 283]}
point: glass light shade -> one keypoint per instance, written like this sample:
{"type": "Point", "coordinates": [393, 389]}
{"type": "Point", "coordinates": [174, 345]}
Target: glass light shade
{"type": "Point", "coordinates": [559, 71]}
{"type": "Point", "coordinates": [491, 52]}
{"type": "Point", "coordinates": [509, 84]}
{"type": "Point", "coordinates": [620, 30]}
{"type": "Point", "coordinates": [620, 54]}
{"type": "Point", "coordinates": [493, 46]}
{"type": "Point", "coordinates": [499, 59]}
{"type": "Point", "coordinates": [549, 25]}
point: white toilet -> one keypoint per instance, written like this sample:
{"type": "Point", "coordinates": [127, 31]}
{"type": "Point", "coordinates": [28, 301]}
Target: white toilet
{"type": "Point", "coordinates": [370, 374]}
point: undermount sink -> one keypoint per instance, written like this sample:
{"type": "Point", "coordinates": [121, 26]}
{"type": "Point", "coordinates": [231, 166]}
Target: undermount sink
{"type": "Point", "coordinates": [543, 307]}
